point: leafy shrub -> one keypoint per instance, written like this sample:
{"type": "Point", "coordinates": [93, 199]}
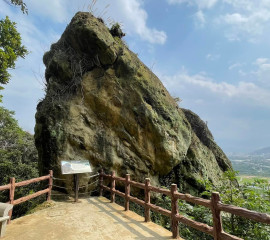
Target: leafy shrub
{"type": "Point", "coordinates": [116, 30]}
{"type": "Point", "coordinates": [18, 158]}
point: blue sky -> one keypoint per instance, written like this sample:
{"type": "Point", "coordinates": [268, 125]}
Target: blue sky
{"type": "Point", "coordinates": [213, 54]}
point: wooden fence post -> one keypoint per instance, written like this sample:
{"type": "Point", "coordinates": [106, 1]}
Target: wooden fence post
{"type": "Point", "coordinates": [217, 221]}
{"type": "Point", "coordinates": [127, 192]}
{"type": "Point", "coordinates": [11, 196]}
{"type": "Point", "coordinates": [101, 182]}
{"type": "Point", "coordinates": [50, 185]}
{"type": "Point", "coordinates": [147, 200]}
{"type": "Point", "coordinates": [112, 187]}
{"type": "Point", "coordinates": [175, 226]}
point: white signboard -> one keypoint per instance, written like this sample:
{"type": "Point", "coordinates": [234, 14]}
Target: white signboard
{"type": "Point", "coordinates": [75, 166]}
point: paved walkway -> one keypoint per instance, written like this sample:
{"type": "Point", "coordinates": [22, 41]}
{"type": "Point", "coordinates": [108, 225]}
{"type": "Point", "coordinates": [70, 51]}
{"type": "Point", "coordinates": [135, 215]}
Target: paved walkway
{"type": "Point", "coordinates": [94, 218]}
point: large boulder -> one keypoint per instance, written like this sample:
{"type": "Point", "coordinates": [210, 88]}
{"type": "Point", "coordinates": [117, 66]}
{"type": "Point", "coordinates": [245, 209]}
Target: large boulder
{"type": "Point", "coordinates": [103, 104]}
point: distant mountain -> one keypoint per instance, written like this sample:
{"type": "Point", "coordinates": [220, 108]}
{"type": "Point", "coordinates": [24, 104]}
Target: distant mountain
{"type": "Point", "coordinates": [262, 151]}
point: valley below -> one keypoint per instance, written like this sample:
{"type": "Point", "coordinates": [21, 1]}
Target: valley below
{"type": "Point", "coordinates": [251, 165]}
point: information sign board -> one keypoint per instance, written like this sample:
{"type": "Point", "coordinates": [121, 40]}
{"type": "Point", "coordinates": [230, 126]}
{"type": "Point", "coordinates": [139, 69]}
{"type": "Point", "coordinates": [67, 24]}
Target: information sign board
{"type": "Point", "coordinates": [75, 166]}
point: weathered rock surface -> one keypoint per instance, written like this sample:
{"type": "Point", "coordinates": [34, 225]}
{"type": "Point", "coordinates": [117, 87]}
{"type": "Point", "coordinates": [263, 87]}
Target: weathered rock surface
{"type": "Point", "coordinates": [103, 104]}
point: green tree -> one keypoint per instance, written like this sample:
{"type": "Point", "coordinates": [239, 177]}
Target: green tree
{"type": "Point", "coordinates": [253, 196]}
{"type": "Point", "coordinates": [18, 158]}
{"type": "Point", "coordinates": [19, 3]}
{"type": "Point", "coordinates": [10, 48]}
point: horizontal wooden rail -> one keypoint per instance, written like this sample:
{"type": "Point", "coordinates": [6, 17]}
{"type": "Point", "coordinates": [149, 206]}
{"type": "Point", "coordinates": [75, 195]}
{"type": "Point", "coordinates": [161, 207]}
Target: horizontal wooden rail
{"type": "Point", "coordinates": [137, 200]}
{"type": "Point", "coordinates": [34, 195]}
{"type": "Point", "coordinates": [136, 184]}
{"type": "Point", "coordinates": [159, 210]}
{"type": "Point", "coordinates": [12, 185]}
{"type": "Point", "coordinates": [140, 202]}
{"type": "Point", "coordinates": [194, 224]}
{"type": "Point", "coordinates": [227, 236]}
{"type": "Point", "coordinates": [192, 199]}
{"type": "Point", "coordinates": [27, 182]}
{"type": "Point", "coordinates": [105, 175]}
{"type": "Point", "coordinates": [214, 205]}
{"type": "Point", "coordinates": [5, 187]}
{"type": "Point", "coordinates": [242, 212]}
{"type": "Point", "coordinates": [160, 190]}
{"type": "Point", "coordinates": [120, 179]}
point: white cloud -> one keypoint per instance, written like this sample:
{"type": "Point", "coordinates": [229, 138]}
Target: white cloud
{"type": "Point", "coordinates": [260, 61]}
{"type": "Point", "coordinates": [134, 19]}
{"type": "Point", "coordinates": [235, 19]}
{"type": "Point", "coordinates": [56, 10]}
{"type": "Point", "coordinates": [199, 19]}
{"type": "Point", "coordinates": [248, 5]}
{"type": "Point", "coordinates": [201, 4]}
{"type": "Point", "coordinates": [233, 110]}
{"type": "Point", "coordinates": [201, 84]}
{"type": "Point", "coordinates": [212, 57]}
{"type": "Point", "coordinates": [235, 65]}
{"type": "Point", "coordinates": [263, 71]}
{"type": "Point", "coordinates": [248, 19]}
{"type": "Point", "coordinates": [239, 19]}
{"type": "Point", "coordinates": [242, 73]}
{"type": "Point", "coordinates": [130, 14]}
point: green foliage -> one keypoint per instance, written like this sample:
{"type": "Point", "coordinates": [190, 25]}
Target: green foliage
{"type": "Point", "coordinates": [251, 195]}
{"type": "Point", "coordinates": [18, 158]}
{"type": "Point", "coordinates": [10, 48]}
{"type": "Point", "coordinates": [19, 3]}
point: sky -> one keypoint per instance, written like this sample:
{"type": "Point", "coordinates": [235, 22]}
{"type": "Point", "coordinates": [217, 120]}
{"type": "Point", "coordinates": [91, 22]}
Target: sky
{"type": "Point", "coordinates": [212, 54]}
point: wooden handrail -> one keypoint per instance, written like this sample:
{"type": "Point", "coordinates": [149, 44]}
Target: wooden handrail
{"type": "Point", "coordinates": [192, 199]}
{"type": "Point", "coordinates": [160, 190]}
{"type": "Point", "coordinates": [194, 224]}
{"type": "Point", "coordinates": [214, 205]}
{"type": "Point", "coordinates": [33, 195]}
{"type": "Point", "coordinates": [242, 212]}
{"type": "Point", "coordinates": [33, 180]}
{"type": "Point", "coordinates": [12, 185]}
{"type": "Point", "coordinates": [5, 187]}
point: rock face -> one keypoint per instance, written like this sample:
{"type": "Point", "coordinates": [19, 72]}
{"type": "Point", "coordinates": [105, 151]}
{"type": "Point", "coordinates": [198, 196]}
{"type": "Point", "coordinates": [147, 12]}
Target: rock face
{"type": "Point", "coordinates": [103, 104]}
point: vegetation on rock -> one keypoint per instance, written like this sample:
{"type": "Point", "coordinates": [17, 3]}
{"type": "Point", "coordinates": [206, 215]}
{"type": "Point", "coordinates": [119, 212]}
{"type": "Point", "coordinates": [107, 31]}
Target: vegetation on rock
{"type": "Point", "coordinates": [103, 104]}
{"type": "Point", "coordinates": [116, 30]}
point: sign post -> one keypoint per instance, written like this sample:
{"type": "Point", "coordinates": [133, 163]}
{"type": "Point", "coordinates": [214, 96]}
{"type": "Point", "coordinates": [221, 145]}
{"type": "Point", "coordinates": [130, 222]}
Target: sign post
{"type": "Point", "coordinates": [75, 167]}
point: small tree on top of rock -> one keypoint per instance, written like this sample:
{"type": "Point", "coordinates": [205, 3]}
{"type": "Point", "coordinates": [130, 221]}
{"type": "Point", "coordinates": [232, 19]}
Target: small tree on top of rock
{"type": "Point", "coordinates": [116, 30]}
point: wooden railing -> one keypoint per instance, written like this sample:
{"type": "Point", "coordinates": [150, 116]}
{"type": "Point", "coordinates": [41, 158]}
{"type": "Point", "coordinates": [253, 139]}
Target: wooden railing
{"type": "Point", "coordinates": [12, 185]}
{"type": "Point", "coordinates": [215, 205]}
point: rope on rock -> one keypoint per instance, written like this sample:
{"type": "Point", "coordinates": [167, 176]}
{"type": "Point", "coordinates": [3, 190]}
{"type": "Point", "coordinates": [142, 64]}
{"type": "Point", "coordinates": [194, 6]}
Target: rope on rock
{"type": "Point", "coordinates": [88, 184]}
{"type": "Point", "coordinates": [59, 179]}
{"type": "Point", "coordinates": [58, 186]}
{"type": "Point", "coordinates": [91, 176]}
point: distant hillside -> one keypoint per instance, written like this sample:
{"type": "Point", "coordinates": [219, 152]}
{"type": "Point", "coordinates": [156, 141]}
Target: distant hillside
{"type": "Point", "coordinates": [255, 164]}
{"type": "Point", "coordinates": [262, 151]}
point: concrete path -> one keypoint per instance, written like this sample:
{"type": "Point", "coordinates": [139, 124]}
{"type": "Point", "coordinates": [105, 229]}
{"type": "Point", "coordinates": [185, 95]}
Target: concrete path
{"type": "Point", "coordinates": [94, 218]}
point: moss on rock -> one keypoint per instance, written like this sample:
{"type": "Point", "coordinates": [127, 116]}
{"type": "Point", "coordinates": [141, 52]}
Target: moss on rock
{"type": "Point", "coordinates": [103, 104]}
